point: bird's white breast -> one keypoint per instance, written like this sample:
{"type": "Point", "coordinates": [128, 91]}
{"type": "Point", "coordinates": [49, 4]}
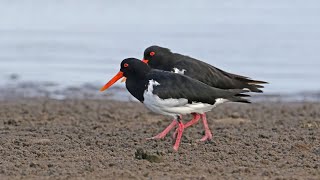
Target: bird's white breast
{"type": "Point", "coordinates": [171, 106]}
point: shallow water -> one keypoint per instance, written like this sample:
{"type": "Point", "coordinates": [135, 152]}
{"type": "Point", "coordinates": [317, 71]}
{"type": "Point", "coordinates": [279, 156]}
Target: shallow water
{"type": "Point", "coordinates": [74, 42]}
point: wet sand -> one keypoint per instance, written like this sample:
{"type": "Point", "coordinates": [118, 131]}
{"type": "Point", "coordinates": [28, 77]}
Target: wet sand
{"type": "Point", "coordinates": [101, 139]}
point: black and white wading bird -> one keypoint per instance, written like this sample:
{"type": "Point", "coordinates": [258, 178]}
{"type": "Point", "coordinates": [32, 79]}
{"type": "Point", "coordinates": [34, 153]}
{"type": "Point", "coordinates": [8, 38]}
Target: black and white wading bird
{"type": "Point", "coordinates": [162, 58]}
{"type": "Point", "coordinates": [171, 94]}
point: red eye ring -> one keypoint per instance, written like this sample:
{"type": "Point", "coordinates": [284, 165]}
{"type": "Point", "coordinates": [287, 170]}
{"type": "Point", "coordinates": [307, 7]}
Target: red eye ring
{"type": "Point", "coordinates": [125, 65]}
{"type": "Point", "coordinates": [152, 53]}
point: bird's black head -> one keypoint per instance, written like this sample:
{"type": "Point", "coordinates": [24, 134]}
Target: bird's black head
{"type": "Point", "coordinates": [132, 67]}
{"type": "Point", "coordinates": [129, 68]}
{"type": "Point", "coordinates": [156, 56]}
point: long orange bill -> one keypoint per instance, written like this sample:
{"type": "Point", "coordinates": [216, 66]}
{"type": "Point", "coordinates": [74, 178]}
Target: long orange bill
{"type": "Point", "coordinates": [145, 61]}
{"type": "Point", "coordinates": [118, 76]}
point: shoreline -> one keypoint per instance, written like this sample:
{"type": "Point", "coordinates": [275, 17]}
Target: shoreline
{"type": "Point", "coordinates": [18, 90]}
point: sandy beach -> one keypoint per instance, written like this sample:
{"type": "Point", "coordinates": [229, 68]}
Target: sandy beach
{"type": "Point", "coordinates": [102, 139]}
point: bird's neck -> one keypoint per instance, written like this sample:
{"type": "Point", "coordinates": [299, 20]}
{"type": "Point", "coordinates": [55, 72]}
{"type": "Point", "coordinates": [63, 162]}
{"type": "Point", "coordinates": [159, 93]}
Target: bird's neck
{"type": "Point", "coordinates": [136, 86]}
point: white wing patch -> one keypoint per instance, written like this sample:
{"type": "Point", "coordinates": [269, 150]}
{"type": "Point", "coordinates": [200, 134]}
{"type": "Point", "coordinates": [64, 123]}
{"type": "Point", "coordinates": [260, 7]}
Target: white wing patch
{"type": "Point", "coordinates": [151, 84]}
{"type": "Point", "coordinates": [178, 71]}
{"type": "Point", "coordinates": [174, 107]}
{"type": "Point", "coordinates": [220, 101]}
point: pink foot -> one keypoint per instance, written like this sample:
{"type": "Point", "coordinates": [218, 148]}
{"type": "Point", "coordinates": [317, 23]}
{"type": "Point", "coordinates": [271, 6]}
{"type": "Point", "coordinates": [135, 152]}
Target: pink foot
{"type": "Point", "coordinates": [180, 131]}
{"type": "Point", "coordinates": [194, 120]}
{"type": "Point", "coordinates": [208, 134]}
{"type": "Point", "coordinates": [165, 131]}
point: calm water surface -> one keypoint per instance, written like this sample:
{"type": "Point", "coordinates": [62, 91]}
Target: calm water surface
{"type": "Point", "coordinates": [75, 42]}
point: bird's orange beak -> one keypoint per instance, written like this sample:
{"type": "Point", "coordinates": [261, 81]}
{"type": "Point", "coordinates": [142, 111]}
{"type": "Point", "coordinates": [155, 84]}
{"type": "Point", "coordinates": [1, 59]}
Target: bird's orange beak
{"type": "Point", "coordinates": [145, 61]}
{"type": "Point", "coordinates": [118, 76]}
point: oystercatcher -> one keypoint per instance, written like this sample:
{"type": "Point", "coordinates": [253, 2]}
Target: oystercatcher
{"type": "Point", "coordinates": [172, 94]}
{"type": "Point", "coordinates": [162, 58]}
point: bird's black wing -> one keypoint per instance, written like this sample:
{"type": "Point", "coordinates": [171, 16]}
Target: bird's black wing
{"type": "Point", "coordinates": [177, 86]}
{"type": "Point", "coordinates": [213, 76]}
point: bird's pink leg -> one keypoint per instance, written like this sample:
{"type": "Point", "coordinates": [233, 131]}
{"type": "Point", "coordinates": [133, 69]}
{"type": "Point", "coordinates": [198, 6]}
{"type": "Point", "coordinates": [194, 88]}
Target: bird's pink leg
{"type": "Point", "coordinates": [165, 131]}
{"type": "Point", "coordinates": [195, 119]}
{"type": "Point", "coordinates": [180, 131]}
{"type": "Point", "coordinates": [208, 134]}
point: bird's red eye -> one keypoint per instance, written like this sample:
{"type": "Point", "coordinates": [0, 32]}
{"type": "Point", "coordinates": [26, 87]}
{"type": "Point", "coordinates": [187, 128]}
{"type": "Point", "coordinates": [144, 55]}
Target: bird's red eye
{"type": "Point", "coordinates": [152, 53]}
{"type": "Point", "coordinates": [125, 65]}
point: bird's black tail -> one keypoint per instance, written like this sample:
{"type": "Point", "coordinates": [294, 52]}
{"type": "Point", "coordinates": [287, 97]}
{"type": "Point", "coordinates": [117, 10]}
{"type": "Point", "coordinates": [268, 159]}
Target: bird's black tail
{"type": "Point", "coordinates": [255, 85]}
{"type": "Point", "coordinates": [251, 84]}
{"type": "Point", "coordinates": [238, 95]}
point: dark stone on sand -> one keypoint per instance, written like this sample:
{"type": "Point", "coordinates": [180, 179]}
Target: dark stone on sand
{"type": "Point", "coordinates": [141, 154]}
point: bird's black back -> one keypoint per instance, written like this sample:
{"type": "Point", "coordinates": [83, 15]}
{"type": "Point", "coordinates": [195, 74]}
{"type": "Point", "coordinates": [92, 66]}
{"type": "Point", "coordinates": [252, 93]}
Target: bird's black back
{"type": "Point", "coordinates": [177, 86]}
{"type": "Point", "coordinates": [211, 75]}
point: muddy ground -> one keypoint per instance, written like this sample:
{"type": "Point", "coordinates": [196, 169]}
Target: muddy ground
{"type": "Point", "coordinates": [92, 139]}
